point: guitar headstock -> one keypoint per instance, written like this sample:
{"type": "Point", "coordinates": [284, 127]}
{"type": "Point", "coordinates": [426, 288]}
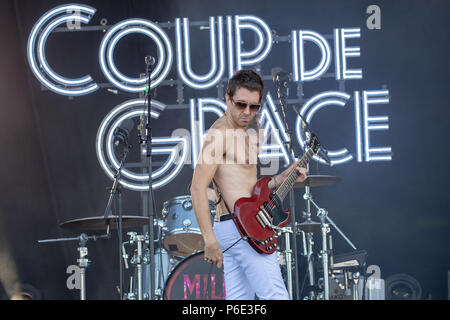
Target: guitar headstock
{"type": "Point", "coordinates": [313, 143]}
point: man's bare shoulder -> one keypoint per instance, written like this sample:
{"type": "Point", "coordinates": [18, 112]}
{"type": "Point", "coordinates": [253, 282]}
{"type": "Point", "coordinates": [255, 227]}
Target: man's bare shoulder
{"type": "Point", "coordinates": [219, 129]}
{"type": "Point", "coordinates": [220, 124]}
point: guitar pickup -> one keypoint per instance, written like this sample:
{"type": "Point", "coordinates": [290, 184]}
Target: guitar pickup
{"type": "Point", "coordinates": [265, 216]}
{"type": "Point", "coordinates": [260, 220]}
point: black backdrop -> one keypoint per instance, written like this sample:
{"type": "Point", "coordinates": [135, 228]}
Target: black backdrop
{"type": "Point", "coordinates": [395, 210]}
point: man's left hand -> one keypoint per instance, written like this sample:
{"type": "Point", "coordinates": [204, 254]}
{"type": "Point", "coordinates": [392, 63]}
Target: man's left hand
{"type": "Point", "coordinates": [282, 176]}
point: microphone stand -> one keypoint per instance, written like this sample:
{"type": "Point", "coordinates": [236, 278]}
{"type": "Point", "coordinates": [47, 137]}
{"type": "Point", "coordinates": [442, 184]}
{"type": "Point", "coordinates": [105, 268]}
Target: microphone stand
{"type": "Point", "coordinates": [116, 189]}
{"type": "Point", "coordinates": [283, 83]}
{"type": "Point", "coordinates": [147, 139]}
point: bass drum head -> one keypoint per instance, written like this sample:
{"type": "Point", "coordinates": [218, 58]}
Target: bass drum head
{"type": "Point", "coordinates": [195, 279]}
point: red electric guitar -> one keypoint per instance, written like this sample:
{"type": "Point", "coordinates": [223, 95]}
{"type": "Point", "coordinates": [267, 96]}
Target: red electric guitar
{"type": "Point", "coordinates": [259, 217]}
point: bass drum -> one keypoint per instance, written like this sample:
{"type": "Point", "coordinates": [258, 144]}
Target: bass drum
{"type": "Point", "coordinates": [195, 279]}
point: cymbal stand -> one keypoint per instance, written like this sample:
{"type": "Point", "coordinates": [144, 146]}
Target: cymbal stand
{"type": "Point", "coordinates": [322, 214]}
{"type": "Point", "coordinates": [288, 255]}
{"type": "Point", "coordinates": [83, 261]}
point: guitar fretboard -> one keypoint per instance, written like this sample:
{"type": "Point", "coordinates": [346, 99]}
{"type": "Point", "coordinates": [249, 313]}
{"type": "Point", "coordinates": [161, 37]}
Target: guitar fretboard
{"type": "Point", "coordinates": [287, 185]}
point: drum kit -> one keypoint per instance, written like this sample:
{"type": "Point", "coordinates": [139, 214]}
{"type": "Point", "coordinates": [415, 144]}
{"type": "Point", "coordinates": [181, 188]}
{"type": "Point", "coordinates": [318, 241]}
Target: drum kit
{"type": "Point", "coordinates": [181, 273]}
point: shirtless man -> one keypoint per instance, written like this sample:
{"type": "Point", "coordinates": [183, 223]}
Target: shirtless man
{"type": "Point", "coordinates": [230, 158]}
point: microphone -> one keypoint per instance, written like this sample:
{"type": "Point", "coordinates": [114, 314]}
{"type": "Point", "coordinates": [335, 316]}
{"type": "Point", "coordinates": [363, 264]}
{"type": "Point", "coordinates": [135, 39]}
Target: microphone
{"type": "Point", "coordinates": [324, 154]}
{"type": "Point", "coordinates": [149, 60]}
{"type": "Point", "coordinates": [122, 132]}
{"type": "Point", "coordinates": [305, 126]}
{"type": "Point", "coordinates": [281, 77]}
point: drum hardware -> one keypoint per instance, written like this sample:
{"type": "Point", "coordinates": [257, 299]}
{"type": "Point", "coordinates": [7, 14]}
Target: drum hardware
{"type": "Point", "coordinates": [83, 261]}
{"type": "Point", "coordinates": [141, 260]}
{"type": "Point", "coordinates": [326, 221]}
{"type": "Point", "coordinates": [131, 295]}
{"type": "Point", "coordinates": [95, 224]}
{"type": "Point", "coordinates": [124, 256]}
{"type": "Point", "coordinates": [163, 265]}
{"type": "Point", "coordinates": [308, 243]}
{"type": "Point", "coordinates": [315, 181]}
{"type": "Point", "coordinates": [309, 227]}
{"type": "Point", "coordinates": [138, 259]}
{"type": "Point", "coordinates": [288, 256]}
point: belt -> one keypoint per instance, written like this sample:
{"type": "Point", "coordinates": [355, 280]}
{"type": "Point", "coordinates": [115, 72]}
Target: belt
{"type": "Point", "coordinates": [224, 217]}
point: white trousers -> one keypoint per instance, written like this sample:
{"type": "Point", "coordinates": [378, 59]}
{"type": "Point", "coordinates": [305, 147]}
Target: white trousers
{"type": "Point", "coordinates": [247, 272]}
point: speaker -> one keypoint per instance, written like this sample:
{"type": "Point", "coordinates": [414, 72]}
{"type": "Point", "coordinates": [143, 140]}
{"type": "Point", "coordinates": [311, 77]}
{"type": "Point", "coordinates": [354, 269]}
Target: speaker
{"type": "Point", "coordinates": [403, 287]}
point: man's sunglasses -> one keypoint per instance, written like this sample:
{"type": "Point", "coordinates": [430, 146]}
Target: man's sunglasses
{"type": "Point", "coordinates": [242, 105]}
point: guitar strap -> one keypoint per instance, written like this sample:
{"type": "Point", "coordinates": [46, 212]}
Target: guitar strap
{"type": "Point", "coordinates": [221, 199]}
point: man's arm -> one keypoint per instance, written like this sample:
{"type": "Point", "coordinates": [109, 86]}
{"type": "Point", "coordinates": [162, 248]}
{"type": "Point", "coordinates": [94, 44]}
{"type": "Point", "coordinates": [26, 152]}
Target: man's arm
{"type": "Point", "coordinates": [209, 159]}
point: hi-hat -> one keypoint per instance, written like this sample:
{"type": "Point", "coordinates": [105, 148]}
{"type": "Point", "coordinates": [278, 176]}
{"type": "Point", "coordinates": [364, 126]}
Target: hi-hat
{"type": "Point", "coordinates": [99, 223]}
{"type": "Point", "coordinates": [309, 226]}
{"type": "Point", "coordinates": [317, 181]}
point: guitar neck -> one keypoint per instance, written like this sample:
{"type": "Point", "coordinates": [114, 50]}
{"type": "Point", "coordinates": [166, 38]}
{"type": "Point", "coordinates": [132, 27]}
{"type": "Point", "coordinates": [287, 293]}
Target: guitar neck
{"type": "Point", "coordinates": [289, 183]}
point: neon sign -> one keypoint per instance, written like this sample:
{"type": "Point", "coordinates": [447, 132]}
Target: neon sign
{"type": "Point", "coordinates": [228, 52]}
{"type": "Point", "coordinates": [119, 31]}
{"type": "Point", "coordinates": [36, 46]}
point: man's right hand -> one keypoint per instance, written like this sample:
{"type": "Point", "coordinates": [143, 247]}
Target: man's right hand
{"type": "Point", "coordinates": [213, 253]}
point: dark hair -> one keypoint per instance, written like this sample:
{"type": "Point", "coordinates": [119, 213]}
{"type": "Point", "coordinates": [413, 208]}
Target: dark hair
{"type": "Point", "coordinates": [247, 79]}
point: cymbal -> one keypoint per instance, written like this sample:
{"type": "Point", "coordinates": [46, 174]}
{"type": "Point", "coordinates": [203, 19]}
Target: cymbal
{"type": "Point", "coordinates": [99, 223]}
{"type": "Point", "coordinates": [317, 181]}
{"type": "Point", "coordinates": [309, 226]}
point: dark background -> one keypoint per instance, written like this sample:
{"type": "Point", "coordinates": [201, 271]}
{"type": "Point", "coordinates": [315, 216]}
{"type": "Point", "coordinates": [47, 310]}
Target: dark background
{"type": "Point", "coordinates": [395, 210]}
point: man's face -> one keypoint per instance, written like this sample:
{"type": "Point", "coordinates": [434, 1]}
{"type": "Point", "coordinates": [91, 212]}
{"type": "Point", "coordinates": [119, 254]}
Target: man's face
{"type": "Point", "coordinates": [240, 115]}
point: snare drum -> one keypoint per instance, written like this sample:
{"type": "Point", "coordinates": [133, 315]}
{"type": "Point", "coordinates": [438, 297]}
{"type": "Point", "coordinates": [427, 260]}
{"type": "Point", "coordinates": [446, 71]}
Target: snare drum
{"type": "Point", "coordinates": [195, 279]}
{"type": "Point", "coordinates": [183, 236]}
